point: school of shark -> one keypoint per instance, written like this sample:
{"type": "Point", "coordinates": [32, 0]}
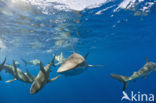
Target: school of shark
{"type": "Point", "coordinates": [73, 65]}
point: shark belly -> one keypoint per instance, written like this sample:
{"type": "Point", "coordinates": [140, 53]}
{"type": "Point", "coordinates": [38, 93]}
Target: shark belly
{"type": "Point", "coordinates": [38, 83]}
{"type": "Point", "coordinates": [74, 71]}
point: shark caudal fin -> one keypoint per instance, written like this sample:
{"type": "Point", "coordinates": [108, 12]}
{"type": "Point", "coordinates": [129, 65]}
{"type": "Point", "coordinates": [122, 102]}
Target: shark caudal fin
{"type": "Point", "coordinates": [123, 79]}
{"type": "Point", "coordinates": [2, 64]}
{"type": "Point", "coordinates": [25, 62]}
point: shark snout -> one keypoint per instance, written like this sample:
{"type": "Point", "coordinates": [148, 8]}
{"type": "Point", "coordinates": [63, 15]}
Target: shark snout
{"type": "Point", "coordinates": [59, 70]}
{"type": "Point", "coordinates": [34, 88]}
{"type": "Point", "coordinates": [32, 91]}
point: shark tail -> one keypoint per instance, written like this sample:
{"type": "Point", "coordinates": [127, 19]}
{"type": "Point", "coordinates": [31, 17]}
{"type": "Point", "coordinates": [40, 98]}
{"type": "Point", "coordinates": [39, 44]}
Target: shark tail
{"type": "Point", "coordinates": [25, 62]}
{"type": "Point", "coordinates": [2, 64]}
{"type": "Point", "coordinates": [121, 78]}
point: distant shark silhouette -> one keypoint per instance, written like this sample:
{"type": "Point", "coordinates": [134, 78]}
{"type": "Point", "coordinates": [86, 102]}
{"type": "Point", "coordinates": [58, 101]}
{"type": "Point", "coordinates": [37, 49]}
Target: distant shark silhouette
{"type": "Point", "coordinates": [32, 62]}
{"type": "Point", "coordinates": [17, 73]}
{"type": "Point", "coordinates": [142, 73]}
{"type": "Point", "coordinates": [60, 58]}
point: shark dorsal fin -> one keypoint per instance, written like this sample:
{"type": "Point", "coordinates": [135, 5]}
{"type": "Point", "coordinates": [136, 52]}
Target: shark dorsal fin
{"type": "Point", "coordinates": [86, 55]}
{"type": "Point", "coordinates": [41, 67]}
{"type": "Point", "coordinates": [73, 49]}
{"type": "Point", "coordinates": [147, 60]}
{"type": "Point", "coordinates": [15, 68]}
{"type": "Point", "coordinates": [4, 61]}
{"type": "Point", "coordinates": [2, 64]}
{"type": "Point", "coordinates": [52, 61]}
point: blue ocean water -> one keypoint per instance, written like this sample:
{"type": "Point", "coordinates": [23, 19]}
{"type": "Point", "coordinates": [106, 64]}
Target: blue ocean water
{"type": "Point", "coordinates": [118, 40]}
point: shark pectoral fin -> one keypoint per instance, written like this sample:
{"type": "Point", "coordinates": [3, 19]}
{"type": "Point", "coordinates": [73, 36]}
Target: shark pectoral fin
{"type": "Point", "coordinates": [2, 64]}
{"type": "Point", "coordinates": [86, 55]}
{"type": "Point", "coordinates": [53, 79]}
{"type": "Point", "coordinates": [8, 81]}
{"type": "Point", "coordinates": [41, 67]}
{"type": "Point", "coordinates": [95, 65]}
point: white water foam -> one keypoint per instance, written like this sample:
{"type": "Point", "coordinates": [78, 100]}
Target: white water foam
{"type": "Point", "coordinates": [80, 5]}
{"type": "Point", "coordinates": [130, 4]}
{"type": "Point", "coordinates": [77, 5]}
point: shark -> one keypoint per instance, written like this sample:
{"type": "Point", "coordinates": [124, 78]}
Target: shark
{"type": "Point", "coordinates": [148, 68]}
{"type": "Point", "coordinates": [17, 64]}
{"type": "Point", "coordinates": [75, 64]}
{"type": "Point", "coordinates": [60, 58]}
{"type": "Point", "coordinates": [43, 77]}
{"type": "Point", "coordinates": [31, 62]}
{"type": "Point", "coordinates": [16, 73]}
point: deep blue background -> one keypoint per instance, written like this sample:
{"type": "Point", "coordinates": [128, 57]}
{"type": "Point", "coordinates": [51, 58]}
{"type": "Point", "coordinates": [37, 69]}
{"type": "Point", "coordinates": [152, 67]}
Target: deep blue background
{"type": "Point", "coordinates": [121, 49]}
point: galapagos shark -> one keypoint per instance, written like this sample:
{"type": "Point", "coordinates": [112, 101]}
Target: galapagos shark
{"type": "Point", "coordinates": [31, 62]}
{"type": "Point", "coordinates": [75, 64]}
{"type": "Point", "coordinates": [17, 73]}
{"type": "Point", "coordinates": [142, 73]}
{"type": "Point", "coordinates": [60, 58]}
{"type": "Point", "coordinates": [42, 78]}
